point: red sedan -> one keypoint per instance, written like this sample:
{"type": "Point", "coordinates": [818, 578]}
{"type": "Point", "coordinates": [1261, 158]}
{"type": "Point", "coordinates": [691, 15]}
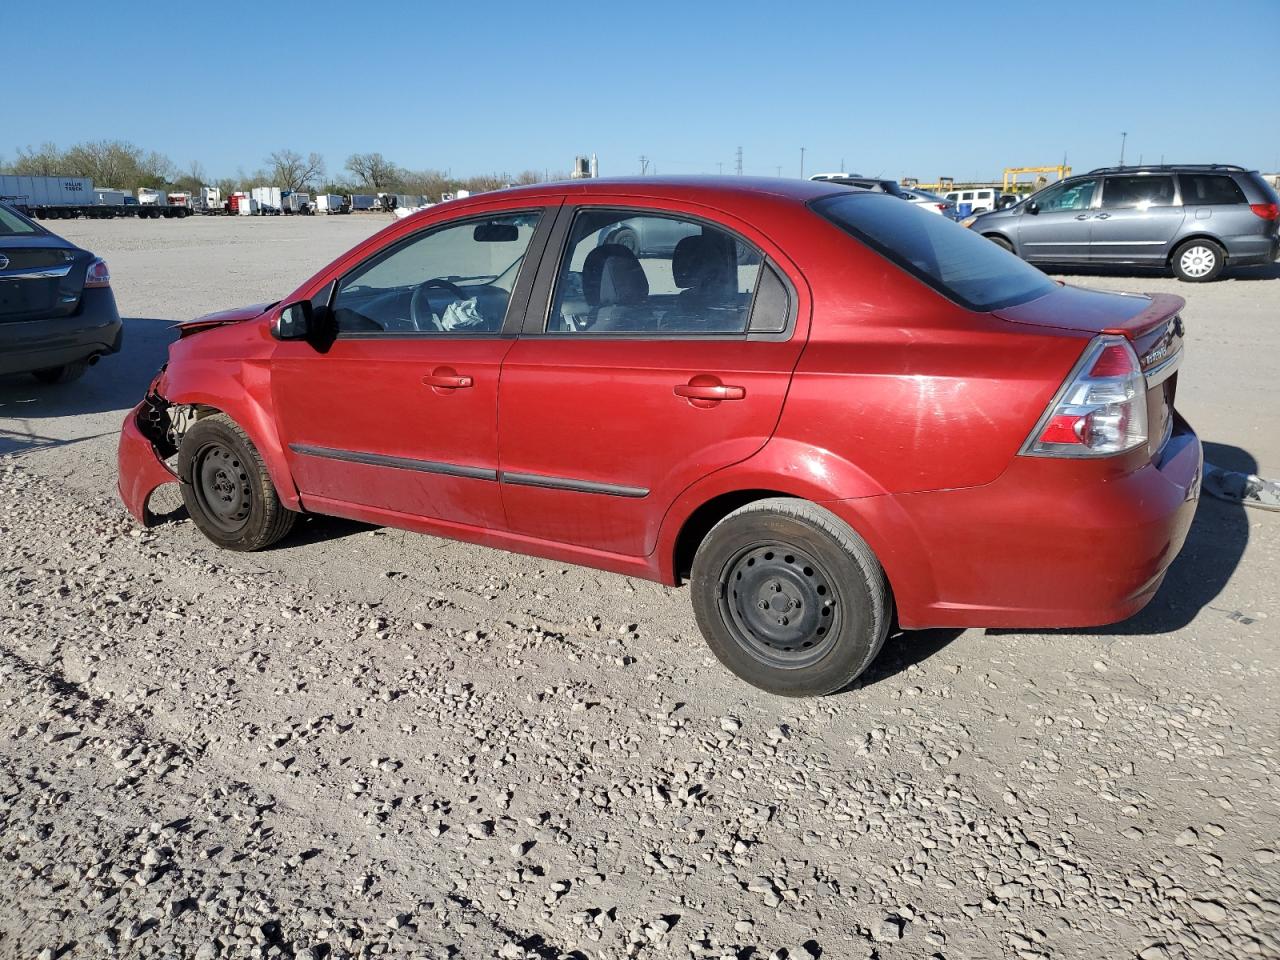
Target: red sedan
{"type": "Point", "coordinates": [824, 408]}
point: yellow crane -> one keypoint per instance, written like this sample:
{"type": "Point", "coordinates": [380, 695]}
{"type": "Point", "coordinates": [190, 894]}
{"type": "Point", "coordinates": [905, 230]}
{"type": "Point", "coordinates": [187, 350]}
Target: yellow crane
{"type": "Point", "coordinates": [1011, 174]}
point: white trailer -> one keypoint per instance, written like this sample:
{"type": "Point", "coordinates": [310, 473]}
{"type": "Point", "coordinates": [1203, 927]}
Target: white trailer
{"type": "Point", "coordinates": [109, 198]}
{"type": "Point", "coordinates": [248, 207]}
{"type": "Point", "coordinates": [68, 197]}
{"type": "Point", "coordinates": [296, 202]}
{"type": "Point", "coordinates": [329, 203]}
{"type": "Point", "coordinates": [269, 199]}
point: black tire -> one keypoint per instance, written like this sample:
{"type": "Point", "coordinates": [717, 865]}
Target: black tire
{"type": "Point", "coordinates": [1198, 261]}
{"type": "Point", "coordinates": [999, 241]}
{"type": "Point", "coordinates": [789, 598]}
{"type": "Point", "coordinates": [626, 237]}
{"type": "Point", "coordinates": [66, 373]}
{"type": "Point", "coordinates": [227, 489]}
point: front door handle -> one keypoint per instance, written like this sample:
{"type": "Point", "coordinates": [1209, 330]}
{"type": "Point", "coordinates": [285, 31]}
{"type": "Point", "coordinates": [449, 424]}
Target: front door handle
{"type": "Point", "coordinates": [1082, 216]}
{"type": "Point", "coordinates": [446, 378]}
{"type": "Point", "coordinates": [708, 388]}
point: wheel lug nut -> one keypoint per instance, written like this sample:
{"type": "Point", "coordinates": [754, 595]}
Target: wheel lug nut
{"type": "Point", "coordinates": [764, 604]}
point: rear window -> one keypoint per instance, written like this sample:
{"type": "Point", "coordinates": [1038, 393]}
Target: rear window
{"type": "Point", "coordinates": [1209, 188]}
{"type": "Point", "coordinates": [961, 265]}
{"type": "Point", "coordinates": [13, 223]}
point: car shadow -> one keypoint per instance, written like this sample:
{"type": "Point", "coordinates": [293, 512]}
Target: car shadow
{"type": "Point", "coordinates": [1270, 271]}
{"type": "Point", "coordinates": [29, 409]}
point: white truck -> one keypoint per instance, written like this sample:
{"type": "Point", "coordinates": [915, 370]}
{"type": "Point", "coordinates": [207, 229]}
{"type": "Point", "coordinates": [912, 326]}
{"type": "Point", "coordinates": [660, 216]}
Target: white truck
{"type": "Point", "coordinates": [65, 198]}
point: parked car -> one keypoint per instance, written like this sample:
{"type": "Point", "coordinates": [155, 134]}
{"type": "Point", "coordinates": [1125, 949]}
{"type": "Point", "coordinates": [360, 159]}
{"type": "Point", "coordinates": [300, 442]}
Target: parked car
{"type": "Point", "coordinates": [57, 312]}
{"type": "Point", "coordinates": [1194, 219]}
{"type": "Point", "coordinates": [931, 202]}
{"type": "Point", "coordinates": [974, 200]}
{"type": "Point", "coordinates": [884, 418]}
{"type": "Point", "coordinates": [875, 184]}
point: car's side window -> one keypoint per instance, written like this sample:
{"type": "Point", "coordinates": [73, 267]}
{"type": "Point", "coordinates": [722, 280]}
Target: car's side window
{"type": "Point", "coordinates": [1074, 195]}
{"type": "Point", "coordinates": [625, 272]}
{"type": "Point", "coordinates": [1138, 192]}
{"type": "Point", "coordinates": [452, 279]}
{"type": "Point", "coordinates": [1206, 188]}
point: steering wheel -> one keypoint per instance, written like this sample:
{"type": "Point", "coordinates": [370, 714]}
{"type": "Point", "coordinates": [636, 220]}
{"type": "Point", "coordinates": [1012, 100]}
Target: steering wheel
{"type": "Point", "coordinates": [420, 307]}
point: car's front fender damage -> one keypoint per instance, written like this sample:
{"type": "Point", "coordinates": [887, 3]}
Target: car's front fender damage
{"type": "Point", "coordinates": [149, 437]}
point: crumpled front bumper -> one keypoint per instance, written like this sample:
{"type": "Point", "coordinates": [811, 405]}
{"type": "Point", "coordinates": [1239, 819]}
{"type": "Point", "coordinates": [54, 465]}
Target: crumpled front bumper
{"type": "Point", "coordinates": [141, 469]}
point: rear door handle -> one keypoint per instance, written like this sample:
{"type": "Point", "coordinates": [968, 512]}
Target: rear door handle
{"type": "Point", "coordinates": [710, 391]}
{"type": "Point", "coordinates": [1103, 216]}
{"type": "Point", "coordinates": [1082, 216]}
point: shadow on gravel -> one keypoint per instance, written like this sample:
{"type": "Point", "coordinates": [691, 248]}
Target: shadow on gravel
{"type": "Point", "coordinates": [902, 650]}
{"type": "Point", "coordinates": [115, 383]}
{"type": "Point", "coordinates": [1214, 547]}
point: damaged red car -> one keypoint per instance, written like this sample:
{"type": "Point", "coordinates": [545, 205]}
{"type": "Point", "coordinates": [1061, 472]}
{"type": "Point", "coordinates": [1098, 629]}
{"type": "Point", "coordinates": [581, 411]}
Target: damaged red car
{"type": "Point", "coordinates": [825, 409]}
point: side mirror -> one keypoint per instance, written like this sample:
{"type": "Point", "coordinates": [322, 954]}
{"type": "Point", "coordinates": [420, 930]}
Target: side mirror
{"type": "Point", "coordinates": [1033, 207]}
{"type": "Point", "coordinates": [294, 322]}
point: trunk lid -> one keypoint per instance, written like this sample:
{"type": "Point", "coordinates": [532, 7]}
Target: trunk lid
{"type": "Point", "coordinates": [1151, 322]}
{"type": "Point", "coordinates": [40, 276]}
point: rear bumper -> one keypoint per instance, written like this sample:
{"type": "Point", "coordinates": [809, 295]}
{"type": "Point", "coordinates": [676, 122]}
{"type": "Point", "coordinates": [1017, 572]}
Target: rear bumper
{"type": "Point", "coordinates": [1251, 250]}
{"type": "Point", "coordinates": [141, 470]}
{"type": "Point", "coordinates": [1052, 543]}
{"type": "Point", "coordinates": [94, 329]}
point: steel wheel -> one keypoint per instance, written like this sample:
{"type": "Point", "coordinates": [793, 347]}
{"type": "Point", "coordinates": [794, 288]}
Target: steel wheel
{"type": "Point", "coordinates": [221, 484]}
{"type": "Point", "coordinates": [1198, 261]}
{"type": "Point", "coordinates": [779, 604]}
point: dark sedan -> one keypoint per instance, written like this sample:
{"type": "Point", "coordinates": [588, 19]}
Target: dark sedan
{"type": "Point", "coordinates": [57, 312]}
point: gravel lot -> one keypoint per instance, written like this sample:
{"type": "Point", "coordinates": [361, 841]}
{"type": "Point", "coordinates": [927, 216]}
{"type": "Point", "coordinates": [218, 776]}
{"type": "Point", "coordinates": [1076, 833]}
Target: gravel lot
{"type": "Point", "coordinates": [367, 742]}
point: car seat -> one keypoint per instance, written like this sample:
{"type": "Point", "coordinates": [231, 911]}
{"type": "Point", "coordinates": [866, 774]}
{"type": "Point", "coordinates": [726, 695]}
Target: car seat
{"type": "Point", "coordinates": [616, 290]}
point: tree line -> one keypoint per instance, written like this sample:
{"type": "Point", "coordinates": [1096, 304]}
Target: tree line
{"type": "Point", "coordinates": [120, 165]}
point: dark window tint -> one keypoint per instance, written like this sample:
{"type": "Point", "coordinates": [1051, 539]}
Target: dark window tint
{"type": "Point", "coordinates": [771, 308]}
{"type": "Point", "coordinates": [1209, 188]}
{"type": "Point", "coordinates": [963, 265]}
{"type": "Point", "coordinates": [629, 273]}
{"type": "Point", "coordinates": [455, 278]}
{"type": "Point", "coordinates": [1138, 191]}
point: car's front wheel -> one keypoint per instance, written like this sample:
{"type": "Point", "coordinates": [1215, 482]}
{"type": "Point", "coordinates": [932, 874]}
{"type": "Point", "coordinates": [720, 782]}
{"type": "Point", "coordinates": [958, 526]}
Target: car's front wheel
{"type": "Point", "coordinates": [1198, 261]}
{"type": "Point", "coordinates": [790, 598]}
{"type": "Point", "coordinates": [999, 241]}
{"type": "Point", "coordinates": [226, 487]}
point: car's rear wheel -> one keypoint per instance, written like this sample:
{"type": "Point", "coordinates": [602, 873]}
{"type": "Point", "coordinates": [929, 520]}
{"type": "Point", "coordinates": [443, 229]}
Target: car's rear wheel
{"type": "Point", "coordinates": [999, 241]}
{"type": "Point", "coordinates": [790, 598]}
{"type": "Point", "coordinates": [226, 487]}
{"type": "Point", "coordinates": [63, 374]}
{"type": "Point", "coordinates": [1198, 261]}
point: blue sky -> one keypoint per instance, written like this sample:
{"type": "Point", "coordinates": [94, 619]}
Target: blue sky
{"type": "Point", "coordinates": [918, 89]}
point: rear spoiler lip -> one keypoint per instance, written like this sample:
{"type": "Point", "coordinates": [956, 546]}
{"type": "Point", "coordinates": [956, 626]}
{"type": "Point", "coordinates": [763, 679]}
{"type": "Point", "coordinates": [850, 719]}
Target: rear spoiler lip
{"type": "Point", "coordinates": [1162, 308]}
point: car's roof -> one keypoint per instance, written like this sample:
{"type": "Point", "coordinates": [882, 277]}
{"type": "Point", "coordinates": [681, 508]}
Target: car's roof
{"type": "Point", "coordinates": [675, 187]}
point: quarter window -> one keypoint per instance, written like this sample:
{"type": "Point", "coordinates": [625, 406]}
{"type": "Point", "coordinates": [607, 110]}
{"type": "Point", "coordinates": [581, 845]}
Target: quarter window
{"type": "Point", "coordinates": [454, 279]}
{"type": "Point", "coordinates": [1138, 192]}
{"type": "Point", "coordinates": [628, 273]}
{"type": "Point", "coordinates": [1205, 188]}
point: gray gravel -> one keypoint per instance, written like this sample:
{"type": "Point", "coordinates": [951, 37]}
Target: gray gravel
{"type": "Point", "coordinates": [370, 743]}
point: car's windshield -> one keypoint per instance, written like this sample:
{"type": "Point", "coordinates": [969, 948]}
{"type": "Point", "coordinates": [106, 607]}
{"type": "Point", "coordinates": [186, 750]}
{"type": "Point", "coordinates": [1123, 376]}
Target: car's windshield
{"type": "Point", "coordinates": [13, 223]}
{"type": "Point", "coordinates": [962, 265]}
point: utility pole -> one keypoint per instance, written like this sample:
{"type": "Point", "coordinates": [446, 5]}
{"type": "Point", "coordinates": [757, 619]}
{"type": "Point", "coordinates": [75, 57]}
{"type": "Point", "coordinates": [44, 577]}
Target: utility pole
{"type": "Point", "coordinates": [739, 161]}
{"type": "Point", "coordinates": [644, 164]}
{"type": "Point", "coordinates": [720, 167]}
{"type": "Point", "coordinates": [802, 163]}
{"type": "Point", "coordinates": [779, 169]}
{"type": "Point", "coordinates": [1123, 137]}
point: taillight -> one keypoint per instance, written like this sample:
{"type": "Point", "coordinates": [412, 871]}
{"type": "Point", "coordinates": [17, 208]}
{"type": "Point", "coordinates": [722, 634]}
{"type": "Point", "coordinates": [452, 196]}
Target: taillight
{"type": "Point", "coordinates": [1100, 411]}
{"type": "Point", "coordinates": [98, 274]}
{"type": "Point", "coordinates": [1267, 211]}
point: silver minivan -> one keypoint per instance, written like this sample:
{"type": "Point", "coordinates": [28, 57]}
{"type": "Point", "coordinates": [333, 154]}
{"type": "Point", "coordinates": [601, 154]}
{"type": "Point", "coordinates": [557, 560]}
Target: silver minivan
{"type": "Point", "coordinates": [1195, 219]}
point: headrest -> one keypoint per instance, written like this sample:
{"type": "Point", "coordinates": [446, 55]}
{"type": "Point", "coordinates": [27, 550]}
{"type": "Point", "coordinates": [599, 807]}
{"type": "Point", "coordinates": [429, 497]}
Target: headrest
{"type": "Point", "coordinates": [612, 274]}
{"type": "Point", "coordinates": [701, 260]}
